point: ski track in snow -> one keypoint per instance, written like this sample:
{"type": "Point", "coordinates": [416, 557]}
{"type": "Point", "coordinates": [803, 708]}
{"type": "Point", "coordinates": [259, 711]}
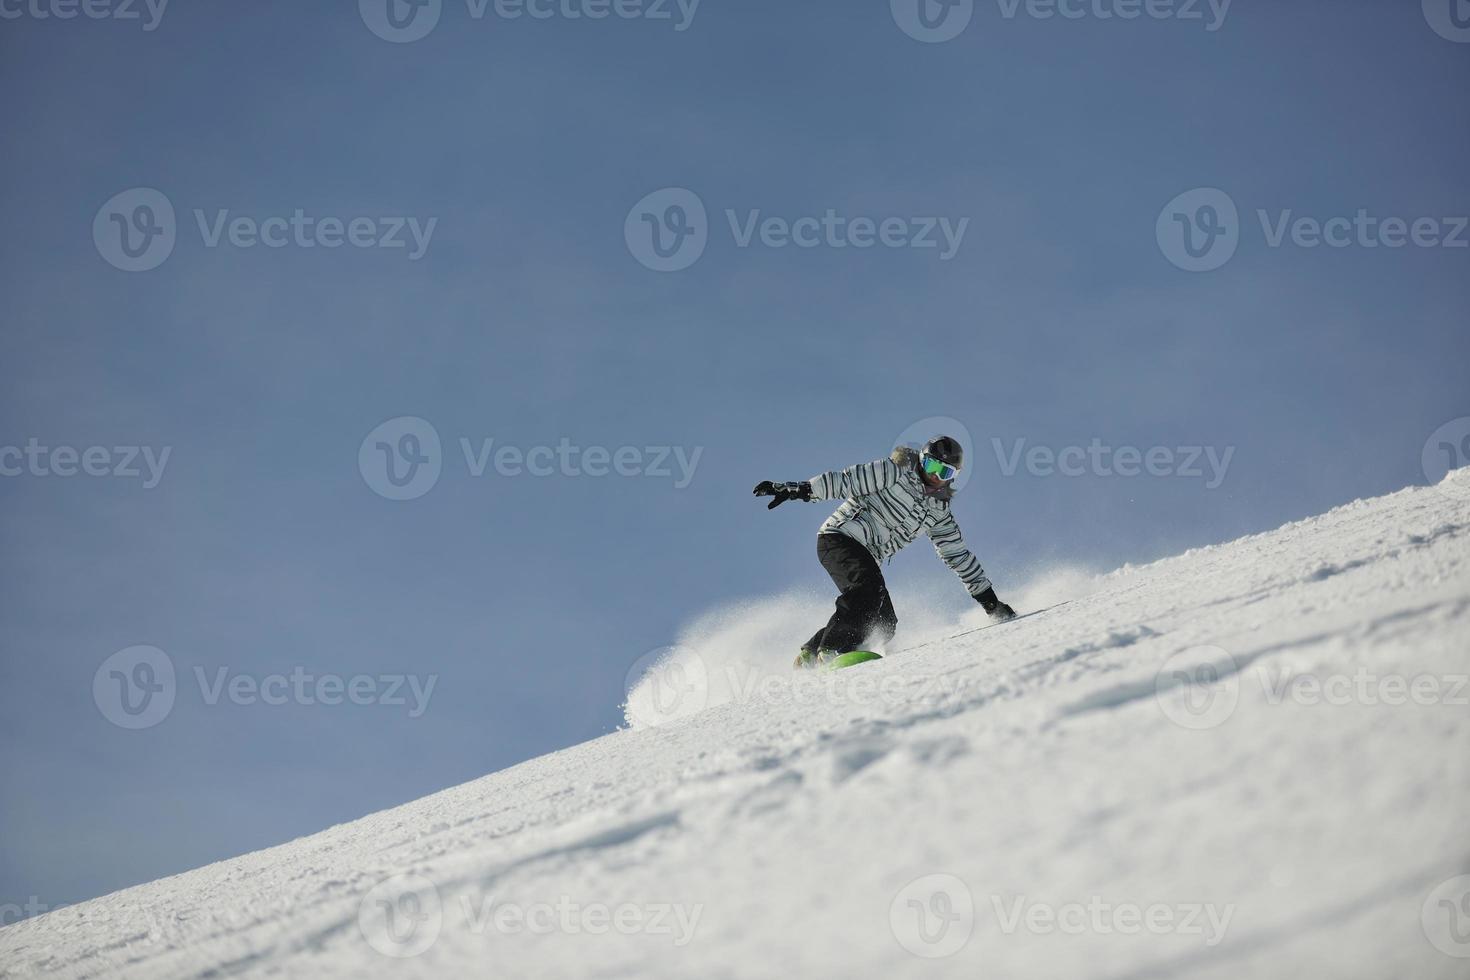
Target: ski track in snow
{"type": "Point", "coordinates": [1035, 762]}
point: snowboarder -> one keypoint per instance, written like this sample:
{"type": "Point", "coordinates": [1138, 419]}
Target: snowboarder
{"type": "Point", "coordinates": [887, 504]}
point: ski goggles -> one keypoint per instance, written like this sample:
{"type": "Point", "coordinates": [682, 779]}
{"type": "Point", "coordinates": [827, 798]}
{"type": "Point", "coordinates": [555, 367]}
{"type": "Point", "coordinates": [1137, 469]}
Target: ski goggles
{"type": "Point", "coordinates": [938, 468]}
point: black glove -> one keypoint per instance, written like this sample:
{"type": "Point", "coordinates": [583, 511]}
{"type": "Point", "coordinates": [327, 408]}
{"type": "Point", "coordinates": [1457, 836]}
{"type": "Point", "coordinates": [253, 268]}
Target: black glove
{"type": "Point", "coordinates": [999, 611]}
{"type": "Point", "coordinates": [783, 492]}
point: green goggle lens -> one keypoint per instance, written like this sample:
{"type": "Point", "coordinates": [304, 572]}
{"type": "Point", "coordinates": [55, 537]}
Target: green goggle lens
{"type": "Point", "coordinates": [939, 468]}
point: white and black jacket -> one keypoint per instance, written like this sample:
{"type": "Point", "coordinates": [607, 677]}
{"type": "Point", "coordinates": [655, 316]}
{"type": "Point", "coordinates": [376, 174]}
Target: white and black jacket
{"type": "Point", "coordinates": [888, 505]}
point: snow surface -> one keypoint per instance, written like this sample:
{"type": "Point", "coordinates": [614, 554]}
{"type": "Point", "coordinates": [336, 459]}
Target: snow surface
{"type": "Point", "coordinates": [1250, 760]}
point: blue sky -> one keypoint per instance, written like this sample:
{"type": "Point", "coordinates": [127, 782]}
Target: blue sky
{"type": "Point", "coordinates": [1060, 320]}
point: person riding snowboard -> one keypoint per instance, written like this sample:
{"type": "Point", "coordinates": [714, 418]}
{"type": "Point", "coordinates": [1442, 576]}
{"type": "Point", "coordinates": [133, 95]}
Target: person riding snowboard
{"type": "Point", "coordinates": [887, 504]}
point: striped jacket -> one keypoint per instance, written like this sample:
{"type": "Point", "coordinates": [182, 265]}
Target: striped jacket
{"type": "Point", "coordinates": [886, 507]}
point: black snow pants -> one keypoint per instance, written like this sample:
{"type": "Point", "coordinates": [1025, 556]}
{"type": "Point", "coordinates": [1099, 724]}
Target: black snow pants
{"type": "Point", "coordinates": [864, 608]}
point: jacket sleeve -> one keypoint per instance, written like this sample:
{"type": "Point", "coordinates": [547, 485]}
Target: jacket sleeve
{"type": "Point", "coordinates": [945, 534]}
{"type": "Point", "coordinates": [855, 481]}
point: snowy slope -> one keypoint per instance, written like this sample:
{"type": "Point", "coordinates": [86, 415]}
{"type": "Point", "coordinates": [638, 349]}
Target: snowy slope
{"type": "Point", "coordinates": [1248, 760]}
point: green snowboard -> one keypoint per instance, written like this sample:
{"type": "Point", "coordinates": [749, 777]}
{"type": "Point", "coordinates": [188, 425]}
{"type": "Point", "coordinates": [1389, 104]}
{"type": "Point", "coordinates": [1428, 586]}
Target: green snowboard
{"type": "Point", "coordinates": [856, 657]}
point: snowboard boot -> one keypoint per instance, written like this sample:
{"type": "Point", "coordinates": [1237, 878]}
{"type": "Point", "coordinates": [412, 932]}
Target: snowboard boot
{"type": "Point", "coordinates": [807, 659]}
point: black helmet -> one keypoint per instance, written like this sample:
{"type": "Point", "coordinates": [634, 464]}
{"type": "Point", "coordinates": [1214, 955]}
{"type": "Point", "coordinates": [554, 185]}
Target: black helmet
{"type": "Point", "coordinates": [946, 450]}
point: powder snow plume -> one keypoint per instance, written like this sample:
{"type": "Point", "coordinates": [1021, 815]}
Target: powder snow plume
{"type": "Point", "coordinates": [735, 650]}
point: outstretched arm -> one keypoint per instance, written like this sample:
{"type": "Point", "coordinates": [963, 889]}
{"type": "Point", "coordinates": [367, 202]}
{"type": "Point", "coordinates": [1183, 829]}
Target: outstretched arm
{"type": "Point", "coordinates": [855, 481]}
{"type": "Point", "coordinates": [950, 545]}
{"type": "Point", "coordinates": [838, 484]}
